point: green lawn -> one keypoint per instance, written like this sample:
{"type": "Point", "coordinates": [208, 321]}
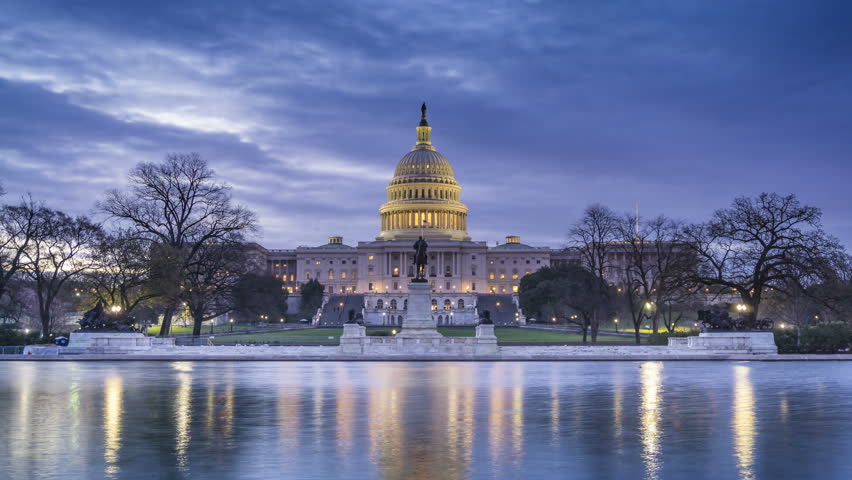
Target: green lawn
{"type": "Point", "coordinates": [181, 330]}
{"type": "Point", "coordinates": [504, 336]}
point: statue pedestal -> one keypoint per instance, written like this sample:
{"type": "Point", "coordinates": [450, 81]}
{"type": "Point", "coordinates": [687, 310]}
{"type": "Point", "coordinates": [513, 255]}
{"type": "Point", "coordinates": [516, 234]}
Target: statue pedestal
{"type": "Point", "coordinates": [419, 322]}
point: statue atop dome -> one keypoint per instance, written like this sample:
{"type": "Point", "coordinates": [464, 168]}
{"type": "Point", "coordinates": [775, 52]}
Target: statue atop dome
{"type": "Point", "coordinates": [423, 122]}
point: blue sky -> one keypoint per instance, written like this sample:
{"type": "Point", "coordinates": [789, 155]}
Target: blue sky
{"type": "Point", "coordinates": [541, 107]}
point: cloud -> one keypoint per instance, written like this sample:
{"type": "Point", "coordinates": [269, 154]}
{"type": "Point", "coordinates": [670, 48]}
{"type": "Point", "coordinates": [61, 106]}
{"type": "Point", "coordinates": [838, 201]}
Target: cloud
{"type": "Point", "coordinates": [542, 107]}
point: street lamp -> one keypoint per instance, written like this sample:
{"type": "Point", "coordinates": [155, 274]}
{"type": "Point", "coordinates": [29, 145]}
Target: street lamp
{"type": "Point", "coordinates": [115, 308]}
{"type": "Point", "coordinates": [616, 325]}
{"type": "Point", "coordinates": [232, 325]}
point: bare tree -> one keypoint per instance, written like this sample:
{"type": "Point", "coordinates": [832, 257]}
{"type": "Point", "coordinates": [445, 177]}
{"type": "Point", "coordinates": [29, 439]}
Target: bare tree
{"type": "Point", "coordinates": [179, 207]}
{"type": "Point", "coordinates": [210, 281]}
{"type": "Point", "coordinates": [594, 235]}
{"type": "Point", "coordinates": [18, 229]}
{"type": "Point", "coordinates": [658, 271]}
{"type": "Point", "coordinates": [759, 245]}
{"type": "Point", "coordinates": [57, 255]}
{"type": "Point", "coordinates": [120, 273]}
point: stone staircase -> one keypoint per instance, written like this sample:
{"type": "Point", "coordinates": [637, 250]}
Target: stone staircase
{"type": "Point", "coordinates": [336, 309]}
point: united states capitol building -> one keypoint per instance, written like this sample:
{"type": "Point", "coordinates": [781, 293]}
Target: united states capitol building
{"type": "Point", "coordinates": [467, 276]}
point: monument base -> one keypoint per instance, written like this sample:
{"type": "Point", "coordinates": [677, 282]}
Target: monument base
{"type": "Point", "coordinates": [419, 322]}
{"type": "Point", "coordinates": [114, 342]}
{"type": "Point", "coordinates": [755, 343]}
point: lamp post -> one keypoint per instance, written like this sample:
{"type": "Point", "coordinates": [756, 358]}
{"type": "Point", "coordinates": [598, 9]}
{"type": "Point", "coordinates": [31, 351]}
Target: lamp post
{"type": "Point", "coordinates": [231, 321]}
{"type": "Point", "coordinates": [616, 325]}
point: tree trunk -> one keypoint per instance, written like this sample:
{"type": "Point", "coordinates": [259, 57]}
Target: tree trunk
{"type": "Point", "coordinates": [45, 324]}
{"type": "Point", "coordinates": [197, 321]}
{"type": "Point", "coordinates": [166, 325]}
{"type": "Point", "coordinates": [585, 329]}
{"type": "Point", "coordinates": [636, 332]}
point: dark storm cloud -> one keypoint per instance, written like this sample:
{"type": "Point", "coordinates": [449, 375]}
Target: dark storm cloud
{"type": "Point", "coordinates": [542, 107]}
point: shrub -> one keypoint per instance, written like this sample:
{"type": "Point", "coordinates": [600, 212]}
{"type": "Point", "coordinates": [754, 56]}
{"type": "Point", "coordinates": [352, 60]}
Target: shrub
{"type": "Point", "coordinates": [823, 338]}
{"type": "Point", "coordinates": [13, 337]}
{"type": "Point", "coordinates": [662, 338]}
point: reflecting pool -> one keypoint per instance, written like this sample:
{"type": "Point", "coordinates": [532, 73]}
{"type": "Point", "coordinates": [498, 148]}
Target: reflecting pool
{"type": "Point", "coordinates": [260, 420]}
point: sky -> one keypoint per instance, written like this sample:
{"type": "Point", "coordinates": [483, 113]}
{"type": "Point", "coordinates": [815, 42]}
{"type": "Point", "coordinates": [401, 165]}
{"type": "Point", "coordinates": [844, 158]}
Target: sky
{"type": "Point", "coordinates": [542, 107]}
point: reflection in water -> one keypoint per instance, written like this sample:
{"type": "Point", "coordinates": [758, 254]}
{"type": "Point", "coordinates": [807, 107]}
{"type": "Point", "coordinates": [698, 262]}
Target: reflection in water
{"type": "Point", "coordinates": [345, 412]}
{"type": "Point", "coordinates": [289, 413]}
{"type": "Point", "coordinates": [517, 414]}
{"type": "Point", "coordinates": [650, 412]}
{"type": "Point", "coordinates": [183, 417]}
{"type": "Point", "coordinates": [554, 403]}
{"type": "Point", "coordinates": [447, 420]}
{"type": "Point", "coordinates": [113, 392]}
{"type": "Point", "coordinates": [744, 423]}
{"type": "Point", "coordinates": [385, 414]}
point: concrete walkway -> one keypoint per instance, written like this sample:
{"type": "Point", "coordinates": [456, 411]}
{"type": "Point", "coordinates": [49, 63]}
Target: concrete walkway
{"type": "Point", "coordinates": [507, 353]}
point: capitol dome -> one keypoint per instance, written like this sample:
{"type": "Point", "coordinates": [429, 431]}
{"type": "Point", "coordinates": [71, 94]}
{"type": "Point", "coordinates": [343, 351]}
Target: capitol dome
{"type": "Point", "coordinates": [423, 195]}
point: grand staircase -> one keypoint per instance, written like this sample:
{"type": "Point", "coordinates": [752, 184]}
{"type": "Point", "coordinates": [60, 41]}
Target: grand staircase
{"type": "Point", "coordinates": [336, 309]}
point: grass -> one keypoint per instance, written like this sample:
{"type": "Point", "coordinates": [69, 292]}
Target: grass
{"type": "Point", "coordinates": [505, 336]}
{"type": "Point", "coordinates": [181, 330]}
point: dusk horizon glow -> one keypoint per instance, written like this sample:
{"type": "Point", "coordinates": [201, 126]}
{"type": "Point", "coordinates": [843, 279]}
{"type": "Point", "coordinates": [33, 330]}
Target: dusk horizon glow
{"type": "Point", "coordinates": [541, 108]}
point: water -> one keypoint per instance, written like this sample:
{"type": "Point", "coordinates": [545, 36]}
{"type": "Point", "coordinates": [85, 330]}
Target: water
{"type": "Point", "coordinates": [247, 420]}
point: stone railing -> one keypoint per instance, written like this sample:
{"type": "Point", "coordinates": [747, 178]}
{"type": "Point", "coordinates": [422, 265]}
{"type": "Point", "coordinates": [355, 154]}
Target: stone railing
{"type": "Point", "coordinates": [727, 342]}
{"type": "Point", "coordinates": [355, 341]}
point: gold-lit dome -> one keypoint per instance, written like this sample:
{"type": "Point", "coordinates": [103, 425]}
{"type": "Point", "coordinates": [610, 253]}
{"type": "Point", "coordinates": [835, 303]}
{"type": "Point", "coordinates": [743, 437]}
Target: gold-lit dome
{"type": "Point", "coordinates": [424, 195]}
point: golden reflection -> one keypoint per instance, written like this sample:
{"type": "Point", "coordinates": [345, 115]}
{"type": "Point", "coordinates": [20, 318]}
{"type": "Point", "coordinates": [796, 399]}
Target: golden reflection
{"type": "Point", "coordinates": [113, 393]}
{"type": "Point", "coordinates": [345, 412]}
{"type": "Point", "coordinates": [617, 407]}
{"type": "Point", "coordinates": [385, 416]}
{"type": "Point", "coordinates": [649, 417]}
{"type": "Point", "coordinates": [183, 419]}
{"type": "Point", "coordinates": [289, 413]}
{"type": "Point", "coordinates": [518, 414]}
{"type": "Point", "coordinates": [554, 402]}
{"type": "Point", "coordinates": [495, 414]}
{"type": "Point", "coordinates": [785, 410]}
{"type": "Point", "coordinates": [744, 423]}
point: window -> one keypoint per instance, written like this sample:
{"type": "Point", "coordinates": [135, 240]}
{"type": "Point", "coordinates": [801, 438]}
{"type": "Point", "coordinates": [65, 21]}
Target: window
{"type": "Point", "coordinates": [354, 262]}
{"type": "Point", "coordinates": [528, 262]}
{"type": "Point", "coordinates": [491, 275]}
{"type": "Point", "coordinates": [344, 262]}
{"type": "Point", "coordinates": [370, 287]}
{"type": "Point", "coordinates": [434, 304]}
{"type": "Point", "coordinates": [473, 270]}
{"type": "Point", "coordinates": [318, 262]}
{"type": "Point", "coordinates": [393, 304]}
{"type": "Point", "coordinates": [502, 262]}
{"type": "Point", "coordinates": [331, 262]}
{"type": "Point", "coordinates": [449, 285]}
{"type": "Point", "coordinates": [395, 271]}
{"type": "Point", "coordinates": [491, 262]}
{"type": "Point", "coordinates": [307, 275]}
{"type": "Point", "coordinates": [515, 288]}
{"type": "Point", "coordinates": [515, 262]}
{"type": "Point", "coordinates": [502, 276]}
{"type": "Point", "coordinates": [405, 304]}
{"type": "Point", "coordinates": [307, 262]}
{"type": "Point", "coordinates": [460, 303]}
{"type": "Point", "coordinates": [538, 262]}
{"type": "Point", "coordinates": [330, 289]}
{"type": "Point", "coordinates": [331, 274]}
{"type": "Point", "coordinates": [370, 257]}
{"type": "Point", "coordinates": [396, 285]}
{"type": "Point", "coordinates": [447, 271]}
{"type": "Point", "coordinates": [448, 304]}
{"type": "Point", "coordinates": [473, 287]}
{"type": "Point", "coordinates": [380, 304]}
{"type": "Point", "coordinates": [343, 275]}
{"type": "Point", "coordinates": [473, 257]}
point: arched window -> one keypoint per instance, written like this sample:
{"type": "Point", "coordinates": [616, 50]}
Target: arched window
{"type": "Point", "coordinates": [460, 303]}
{"type": "Point", "coordinates": [434, 304]}
{"type": "Point", "coordinates": [343, 275]}
{"type": "Point", "coordinates": [393, 304]}
{"type": "Point", "coordinates": [380, 304]}
{"type": "Point", "coordinates": [448, 304]}
{"type": "Point", "coordinates": [405, 304]}
{"type": "Point", "coordinates": [440, 320]}
{"type": "Point", "coordinates": [331, 274]}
